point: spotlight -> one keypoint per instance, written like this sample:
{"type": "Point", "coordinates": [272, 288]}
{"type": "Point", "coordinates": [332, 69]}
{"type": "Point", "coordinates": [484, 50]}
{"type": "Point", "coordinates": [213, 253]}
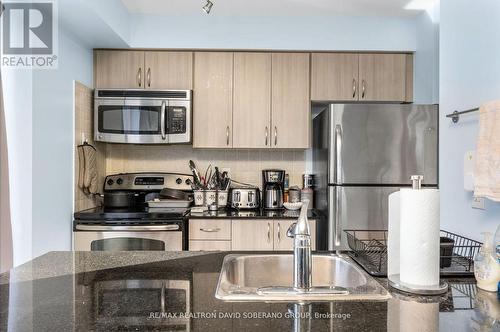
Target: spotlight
{"type": "Point", "coordinates": [208, 6]}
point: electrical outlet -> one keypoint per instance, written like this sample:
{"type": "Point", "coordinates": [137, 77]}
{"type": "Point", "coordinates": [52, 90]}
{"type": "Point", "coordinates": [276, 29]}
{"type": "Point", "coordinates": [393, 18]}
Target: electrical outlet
{"type": "Point", "coordinates": [478, 202]}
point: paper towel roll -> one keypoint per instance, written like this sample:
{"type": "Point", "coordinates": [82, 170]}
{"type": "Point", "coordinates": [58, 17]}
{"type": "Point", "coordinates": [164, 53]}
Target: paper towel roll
{"type": "Point", "coordinates": [393, 234]}
{"type": "Point", "coordinates": [419, 258]}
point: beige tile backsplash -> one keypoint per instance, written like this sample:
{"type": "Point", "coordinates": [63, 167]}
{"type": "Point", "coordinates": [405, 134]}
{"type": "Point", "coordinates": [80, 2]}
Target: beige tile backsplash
{"type": "Point", "coordinates": [244, 165]}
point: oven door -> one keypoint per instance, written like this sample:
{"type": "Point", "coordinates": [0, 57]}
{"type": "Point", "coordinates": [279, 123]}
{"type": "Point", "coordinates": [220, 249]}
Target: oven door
{"type": "Point", "coordinates": [178, 121]}
{"type": "Point", "coordinates": [136, 121]}
{"type": "Point", "coordinates": [128, 238]}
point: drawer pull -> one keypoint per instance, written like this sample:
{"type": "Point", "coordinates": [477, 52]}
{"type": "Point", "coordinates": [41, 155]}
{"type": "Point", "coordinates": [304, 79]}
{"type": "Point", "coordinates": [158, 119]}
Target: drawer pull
{"type": "Point", "coordinates": [210, 230]}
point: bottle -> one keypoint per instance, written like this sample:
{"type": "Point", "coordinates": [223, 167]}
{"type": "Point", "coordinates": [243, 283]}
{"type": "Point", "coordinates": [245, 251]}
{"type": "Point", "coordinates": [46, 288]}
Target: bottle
{"type": "Point", "coordinates": [486, 266]}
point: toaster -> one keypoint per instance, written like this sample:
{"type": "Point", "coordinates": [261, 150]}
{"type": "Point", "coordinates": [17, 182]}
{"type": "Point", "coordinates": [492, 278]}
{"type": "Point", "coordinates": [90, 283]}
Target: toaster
{"type": "Point", "coordinates": [244, 198]}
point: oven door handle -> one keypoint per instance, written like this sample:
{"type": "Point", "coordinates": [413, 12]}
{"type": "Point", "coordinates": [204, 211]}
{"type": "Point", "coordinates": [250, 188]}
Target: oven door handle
{"type": "Point", "coordinates": [162, 120]}
{"type": "Point", "coordinates": [127, 228]}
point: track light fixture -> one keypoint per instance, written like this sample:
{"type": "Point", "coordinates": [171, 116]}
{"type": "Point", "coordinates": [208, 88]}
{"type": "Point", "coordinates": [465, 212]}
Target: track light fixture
{"type": "Point", "coordinates": [208, 6]}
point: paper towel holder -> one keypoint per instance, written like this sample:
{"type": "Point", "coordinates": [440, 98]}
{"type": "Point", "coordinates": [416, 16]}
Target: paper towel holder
{"type": "Point", "coordinates": [395, 280]}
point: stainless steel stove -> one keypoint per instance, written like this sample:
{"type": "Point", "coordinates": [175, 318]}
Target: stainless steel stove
{"type": "Point", "coordinates": [134, 226]}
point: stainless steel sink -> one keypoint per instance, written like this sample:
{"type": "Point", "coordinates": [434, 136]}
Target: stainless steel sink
{"type": "Point", "coordinates": [270, 278]}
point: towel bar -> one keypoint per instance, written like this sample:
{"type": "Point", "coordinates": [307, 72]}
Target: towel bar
{"type": "Point", "coordinates": [455, 116]}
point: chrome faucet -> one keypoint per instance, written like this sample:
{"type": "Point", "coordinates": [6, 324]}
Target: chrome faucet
{"type": "Point", "coordinates": [301, 234]}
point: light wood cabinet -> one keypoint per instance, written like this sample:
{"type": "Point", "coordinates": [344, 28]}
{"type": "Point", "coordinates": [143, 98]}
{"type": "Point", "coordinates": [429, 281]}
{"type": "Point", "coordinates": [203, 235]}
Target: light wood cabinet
{"type": "Point", "coordinates": [208, 245]}
{"type": "Point", "coordinates": [252, 234]}
{"type": "Point", "coordinates": [383, 77]}
{"type": "Point", "coordinates": [210, 229]}
{"type": "Point", "coordinates": [251, 100]}
{"type": "Point", "coordinates": [213, 100]}
{"type": "Point", "coordinates": [334, 76]}
{"type": "Point", "coordinates": [282, 241]}
{"type": "Point", "coordinates": [168, 70]}
{"type": "Point", "coordinates": [119, 69]}
{"type": "Point", "coordinates": [290, 105]}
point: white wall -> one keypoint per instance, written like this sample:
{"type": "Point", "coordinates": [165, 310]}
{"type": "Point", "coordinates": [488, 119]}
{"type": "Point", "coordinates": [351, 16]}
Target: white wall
{"type": "Point", "coordinates": [53, 144]}
{"type": "Point", "coordinates": [469, 75]}
{"type": "Point", "coordinates": [295, 33]}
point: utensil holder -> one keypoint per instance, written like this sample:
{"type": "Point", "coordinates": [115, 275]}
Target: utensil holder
{"type": "Point", "coordinates": [222, 196]}
{"type": "Point", "coordinates": [210, 197]}
{"type": "Point", "coordinates": [199, 197]}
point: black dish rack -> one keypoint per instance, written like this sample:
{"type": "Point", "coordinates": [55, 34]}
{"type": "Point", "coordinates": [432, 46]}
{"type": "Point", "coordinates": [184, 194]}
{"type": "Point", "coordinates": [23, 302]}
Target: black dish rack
{"type": "Point", "coordinates": [369, 249]}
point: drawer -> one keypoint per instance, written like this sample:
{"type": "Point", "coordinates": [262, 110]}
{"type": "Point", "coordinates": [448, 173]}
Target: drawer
{"type": "Point", "coordinates": [209, 229]}
{"type": "Point", "coordinates": [203, 245]}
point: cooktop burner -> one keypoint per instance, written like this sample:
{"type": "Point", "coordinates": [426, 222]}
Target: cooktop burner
{"type": "Point", "coordinates": [130, 215]}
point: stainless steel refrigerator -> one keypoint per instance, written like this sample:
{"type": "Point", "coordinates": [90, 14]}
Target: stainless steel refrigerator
{"type": "Point", "coordinates": [364, 152]}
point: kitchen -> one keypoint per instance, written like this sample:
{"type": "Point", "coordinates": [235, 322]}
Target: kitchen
{"type": "Point", "coordinates": [295, 82]}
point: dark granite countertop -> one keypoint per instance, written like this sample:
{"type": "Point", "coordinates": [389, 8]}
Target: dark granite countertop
{"type": "Point", "coordinates": [106, 291]}
{"type": "Point", "coordinates": [252, 214]}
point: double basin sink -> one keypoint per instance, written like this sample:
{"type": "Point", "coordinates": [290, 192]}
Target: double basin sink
{"type": "Point", "coordinates": [270, 278]}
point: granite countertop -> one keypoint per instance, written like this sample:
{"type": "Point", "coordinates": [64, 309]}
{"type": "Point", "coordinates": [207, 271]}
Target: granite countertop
{"type": "Point", "coordinates": [109, 291]}
{"type": "Point", "coordinates": [252, 214]}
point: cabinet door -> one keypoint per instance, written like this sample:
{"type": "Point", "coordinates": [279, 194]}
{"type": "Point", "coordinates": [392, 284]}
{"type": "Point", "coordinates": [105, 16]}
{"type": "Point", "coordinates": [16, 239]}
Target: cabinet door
{"type": "Point", "coordinates": [282, 241]}
{"type": "Point", "coordinates": [290, 110]}
{"type": "Point", "coordinates": [169, 70]}
{"type": "Point", "coordinates": [207, 245]}
{"type": "Point", "coordinates": [383, 77]}
{"type": "Point", "coordinates": [334, 76]}
{"type": "Point", "coordinates": [119, 69]}
{"type": "Point", "coordinates": [213, 100]}
{"type": "Point", "coordinates": [252, 100]}
{"type": "Point", "coordinates": [252, 234]}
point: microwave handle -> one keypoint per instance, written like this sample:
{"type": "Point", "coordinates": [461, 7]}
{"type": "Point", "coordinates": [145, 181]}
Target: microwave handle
{"type": "Point", "coordinates": [162, 119]}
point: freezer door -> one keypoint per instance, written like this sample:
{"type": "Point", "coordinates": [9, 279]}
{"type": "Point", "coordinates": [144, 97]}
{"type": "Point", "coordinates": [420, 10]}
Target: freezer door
{"type": "Point", "coordinates": [383, 143]}
{"type": "Point", "coordinates": [359, 208]}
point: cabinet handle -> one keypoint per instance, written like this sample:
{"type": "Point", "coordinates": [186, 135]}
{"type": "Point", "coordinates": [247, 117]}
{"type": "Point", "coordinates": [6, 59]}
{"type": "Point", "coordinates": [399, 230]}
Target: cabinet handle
{"type": "Point", "coordinates": [139, 77]}
{"type": "Point", "coordinates": [210, 230]}
{"type": "Point", "coordinates": [279, 233]}
{"type": "Point", "coordinates": [148, 75]}
{"type": "Point", "coordinates": [227, 135]}
{"type": "Point", "coordinates": [363, 89]}
{"type": "Point", "coordinates": [267, 134]}
{"type": "Point", "coordinates": [353, 88]}
{"type": "Point", "coordinates": [275, 135]}
{"type": "Point", "coordinates": [268, 232]}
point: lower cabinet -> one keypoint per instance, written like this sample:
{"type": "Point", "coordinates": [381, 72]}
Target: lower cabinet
{"type": "Point", "coordinates": [252, 234]}
{"type": "Point", "coordinates": [243, 234]}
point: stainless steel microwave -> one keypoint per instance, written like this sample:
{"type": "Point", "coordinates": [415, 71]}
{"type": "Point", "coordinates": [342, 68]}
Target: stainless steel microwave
{"type": "Point", "coordinates": [142, 116]}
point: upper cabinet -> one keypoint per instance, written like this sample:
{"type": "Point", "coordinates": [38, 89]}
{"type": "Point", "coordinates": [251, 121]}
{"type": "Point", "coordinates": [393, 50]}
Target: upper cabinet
{"type": "Point", "coordinates": [362, 77]}
{"type": "Point", "coordinates": [290, 106]}
{"type": "Point", "coordinates": [334, 76]}
{"type": "Point", "coordinates": [386, 77]}
{"type": "Point", "coordinates": [251, 100]}
{"type": "Point", "coordinates": [168, 70]}
{"type": "Point", "coordinates": [213, 100]}
{"type": "Point", "coordinates": [117, 69]}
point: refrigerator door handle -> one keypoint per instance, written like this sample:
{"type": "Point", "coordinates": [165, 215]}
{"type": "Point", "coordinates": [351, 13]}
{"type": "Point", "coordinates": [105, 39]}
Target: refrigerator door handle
{"type": "Point", "coordinates": [334, 217]}
{"type": "Point", "coordinates": [338, 154]}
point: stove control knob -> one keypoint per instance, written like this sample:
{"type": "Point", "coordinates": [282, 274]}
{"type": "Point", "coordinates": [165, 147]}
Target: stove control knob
{"type": "Point", "coordinates": [178, 181]}
{"type": "Point", "coordinates": [110, 182]}
{"type": "Point", "coordinates": [119, 181]}
{"type": "Point", "coordinates": [188, 182]}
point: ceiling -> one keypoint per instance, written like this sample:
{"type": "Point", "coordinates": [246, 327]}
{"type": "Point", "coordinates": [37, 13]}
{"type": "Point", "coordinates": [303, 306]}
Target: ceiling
{"type": "Point", "coordinates": [391, 8]}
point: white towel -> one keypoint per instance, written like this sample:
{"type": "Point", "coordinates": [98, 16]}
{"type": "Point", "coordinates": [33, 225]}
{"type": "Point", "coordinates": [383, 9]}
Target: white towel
{"type": "Point", "coordinates": [487, 168]}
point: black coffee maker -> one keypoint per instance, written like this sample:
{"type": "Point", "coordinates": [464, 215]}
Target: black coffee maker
{"type": "Point", "coordinates": [273, 188]}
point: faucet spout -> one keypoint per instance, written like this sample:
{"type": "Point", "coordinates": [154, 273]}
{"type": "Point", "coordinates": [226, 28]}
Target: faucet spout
{"type": "Point", "coordinates": [301, 234]}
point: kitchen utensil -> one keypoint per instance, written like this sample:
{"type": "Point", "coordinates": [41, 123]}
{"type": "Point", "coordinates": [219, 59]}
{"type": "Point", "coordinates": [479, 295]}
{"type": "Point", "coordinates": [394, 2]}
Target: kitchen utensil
{"type": "Point", "coordinates": [196, 174]}
{"type": "Point", "coordinates": [120, 199]}
{"type": "Point", "coordinates": [158, 203]}
{"type": "Point", "coordinates": [292, 206]}
{"type": "Point", "coordinates": [208, 175]}
{"type": "Point", "coordinates": [174, 194]}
